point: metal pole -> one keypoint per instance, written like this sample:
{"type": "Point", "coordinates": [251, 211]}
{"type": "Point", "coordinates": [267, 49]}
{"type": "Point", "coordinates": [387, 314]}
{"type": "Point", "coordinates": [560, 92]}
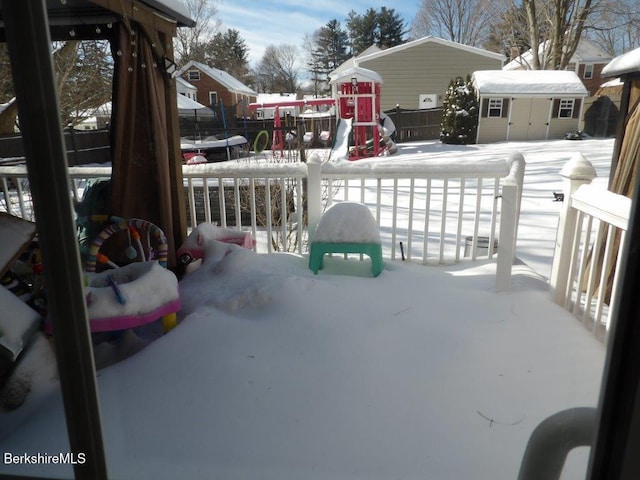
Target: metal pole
{"type": "Point", "coordinates": [27, 33]}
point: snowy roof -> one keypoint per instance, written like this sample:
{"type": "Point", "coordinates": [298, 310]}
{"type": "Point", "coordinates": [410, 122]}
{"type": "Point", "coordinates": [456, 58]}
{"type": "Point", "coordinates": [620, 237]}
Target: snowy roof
{"type": "Point", "coordinates": [528, 82]}
{"type": "Point", "coordinates": [586, 52]}
{"type": "Point", "coordinates": [175, 9]}
{"type": "Point", "coordinates": [353, 61]}
{"type": "Point", "coordinates": [626, 63]}
{"type": "Point", "coordinates": [362, 74]}
{"type": "Point", "coordinates": [230, 82]}
{"type": "Point", "coordinates": [185, 103]}
{"type": "Point", "coordinates": [184, 86]}
{"type": "Point", "coordinates": [275, 97]}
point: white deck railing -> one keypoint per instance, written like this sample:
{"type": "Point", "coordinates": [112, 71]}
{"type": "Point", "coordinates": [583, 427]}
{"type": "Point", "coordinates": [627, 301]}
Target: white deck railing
{"type": "Point", "coordinates": [590, 240]}
{"type": "Point", "coordinates": [428, 211]}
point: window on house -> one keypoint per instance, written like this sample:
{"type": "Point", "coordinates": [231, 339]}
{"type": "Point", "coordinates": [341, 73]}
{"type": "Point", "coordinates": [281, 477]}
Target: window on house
{"type": "Point", "coordinates": [193, 75]}
{"type": "Point", "coordinates": [565, 110]}
{"type": "Point", "coordinates": [588, 71]}
{"type": "Point", "coordinates": [495, 108]}
{"type": "Point", "coordinates": [213, 98]}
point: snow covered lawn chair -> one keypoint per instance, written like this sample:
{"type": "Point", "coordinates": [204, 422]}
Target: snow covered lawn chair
{"type": "Point", "coordinates": [346, 227]}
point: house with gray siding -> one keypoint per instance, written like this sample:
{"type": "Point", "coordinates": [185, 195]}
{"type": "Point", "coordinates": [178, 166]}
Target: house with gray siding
{"type": "Point", "coordinates": [528, 104]}
{"type": "Point", "coordinates": [417, 74]}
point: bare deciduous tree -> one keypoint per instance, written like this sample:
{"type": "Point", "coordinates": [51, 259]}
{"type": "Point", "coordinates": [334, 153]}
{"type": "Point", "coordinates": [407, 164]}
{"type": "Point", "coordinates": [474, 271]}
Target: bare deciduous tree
{"type": "Point", "coordinates": [614, 26]}
{"type": "Point", "coordinates": [190, 43]}
{"type": "Point", "coordinates": [84, 72]}
{"type": "Point", "coordinates": [555, 28]}
{"type": "Point", "coordinates": [278, 70]}
{"type": "Point", "coordinates": [462, 21]}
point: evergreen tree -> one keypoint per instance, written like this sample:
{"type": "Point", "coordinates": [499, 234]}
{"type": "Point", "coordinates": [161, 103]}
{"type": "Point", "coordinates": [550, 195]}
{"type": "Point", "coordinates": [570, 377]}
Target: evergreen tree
{"type": "Point", "coordinates": [391, 28]}
{"type": "Point", "coordinates": [460, 113]}
{"type": "Point", "coordinates": [228, 52]}
{"type": "Point", "coordinates": [329, 52]}
{"type": "Point", "coordinates": [383, 29]}
{"type": "Point", "coordinates": [363, 30]}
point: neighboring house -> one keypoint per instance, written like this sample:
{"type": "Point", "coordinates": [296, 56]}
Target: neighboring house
{"type": "Point", "coordinates": [215, 86]}
{"type": "Point", "coordinates": [269, 98]}
{"type": "Point", "coordinates": [587, 62]}
{"type": "Point", "coordinates": [417, 74]}
{"type": "Point", "coordinates": [528, 104]}
{"type": "Point", "coordinates": [187, 89]}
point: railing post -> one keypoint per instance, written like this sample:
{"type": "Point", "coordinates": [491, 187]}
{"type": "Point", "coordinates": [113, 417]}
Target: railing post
{"type": "Point", "coordinates": [314, 192]}
{"type": "Point", "coordinates": [575, 172]}
{"type": "Point", "coordinates": [509, 214]}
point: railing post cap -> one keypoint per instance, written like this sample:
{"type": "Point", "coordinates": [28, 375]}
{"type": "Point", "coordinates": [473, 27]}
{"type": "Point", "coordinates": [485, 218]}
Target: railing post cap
{"type": "Point", "coordinates": [578, 168]}
{"type": "Point", "coordinates": [314, 159]}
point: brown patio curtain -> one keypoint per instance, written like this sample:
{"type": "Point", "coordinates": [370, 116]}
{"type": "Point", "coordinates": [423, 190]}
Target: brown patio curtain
{"type": "Point", "coordinates": [624, 179]}
{"type": "Point", "coordinates": [146, 175]}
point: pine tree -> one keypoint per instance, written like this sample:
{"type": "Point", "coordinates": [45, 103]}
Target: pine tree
{"type": "Point", "coordinates": [460, 113]}
{"type": "Point", "coordinates": [228, 52]}
{"type": "Point", "coordinates": [384, 28]}
{"type": "Point", "coordinates": [363, 30]}
{"type": "Point", "coordinates": [332, 42]}
{"type": "Point", "coordinates": [391, 28]}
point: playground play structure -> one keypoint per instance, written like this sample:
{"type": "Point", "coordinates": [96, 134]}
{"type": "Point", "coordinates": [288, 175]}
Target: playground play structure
{"type": "Point", "coordinates": [362, 131]}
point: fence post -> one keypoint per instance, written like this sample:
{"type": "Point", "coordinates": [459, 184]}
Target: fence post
{"type": "Point", "coordinates": [575, 172]}
{"type": "Point", "coordinates": [509, 216]}
{"type": "Point", "coordinates": [314, 192]}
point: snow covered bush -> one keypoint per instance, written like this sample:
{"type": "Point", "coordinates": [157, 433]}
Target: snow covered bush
{"type": "Point", "coordinates": [460, 115]}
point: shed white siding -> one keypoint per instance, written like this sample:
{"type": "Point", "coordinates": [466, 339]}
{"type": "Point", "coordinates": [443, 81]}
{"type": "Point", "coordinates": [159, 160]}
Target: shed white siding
{"type": "Point", "coordinates": [538, 105]}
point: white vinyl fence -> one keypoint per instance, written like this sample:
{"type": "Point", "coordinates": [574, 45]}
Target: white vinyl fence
{"type": "Point", "coordinates": [428, 211]}
{"type": "Point", "coordinates": [590, 240]}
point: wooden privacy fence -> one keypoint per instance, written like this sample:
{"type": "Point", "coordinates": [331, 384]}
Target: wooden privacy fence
{"type": "Point", "coordinates": [590, 241]}
{"type": "Point", "coordinates": [82, 147]}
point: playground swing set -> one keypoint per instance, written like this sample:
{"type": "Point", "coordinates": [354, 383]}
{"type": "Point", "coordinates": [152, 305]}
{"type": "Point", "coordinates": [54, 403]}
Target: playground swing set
{"type": "Point", "coordinates": [359, 133]}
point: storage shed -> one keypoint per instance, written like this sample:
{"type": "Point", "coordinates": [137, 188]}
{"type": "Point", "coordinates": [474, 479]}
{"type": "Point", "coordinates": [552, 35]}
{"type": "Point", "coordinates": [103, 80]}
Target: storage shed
{"type": "Point", "coordinates": [528, 104]}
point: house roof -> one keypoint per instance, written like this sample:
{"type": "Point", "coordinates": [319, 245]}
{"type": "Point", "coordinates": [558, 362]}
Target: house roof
{"type": "Point", "coordinates": [228, 81]}
{"type": "Point", "coordinates": [183, 85]}
{"type": "Point", "coordinates": [528, 83]}
{"type": "Point", "coordinates": [374, 52]}
{"type": "Point", "coordinates": [586, 52]}
{"type": "Point", "coordinates": [430, 39]}
{"type": "Point", "coordinates": [624, 64]}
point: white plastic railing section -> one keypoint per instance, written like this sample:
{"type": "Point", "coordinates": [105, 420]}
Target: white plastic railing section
{"type": "Point", "coordinates": [429, 211]}
{"type": "Point", "coordinates": [590, 240]}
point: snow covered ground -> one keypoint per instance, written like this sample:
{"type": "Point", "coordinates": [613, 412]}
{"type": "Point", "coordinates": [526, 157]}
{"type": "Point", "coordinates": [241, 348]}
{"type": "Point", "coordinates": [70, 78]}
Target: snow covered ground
{"type": "Point", "coordinates": [276, 373]}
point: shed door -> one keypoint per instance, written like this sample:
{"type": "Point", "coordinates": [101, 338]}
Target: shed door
{"type": "Point", "coordinates": [529, 118]}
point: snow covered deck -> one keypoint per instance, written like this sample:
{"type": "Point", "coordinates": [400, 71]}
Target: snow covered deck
{"type": "Point", "coordinates": [275, 373]}
{"type": "Point", "coordinates": [422, 372]}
